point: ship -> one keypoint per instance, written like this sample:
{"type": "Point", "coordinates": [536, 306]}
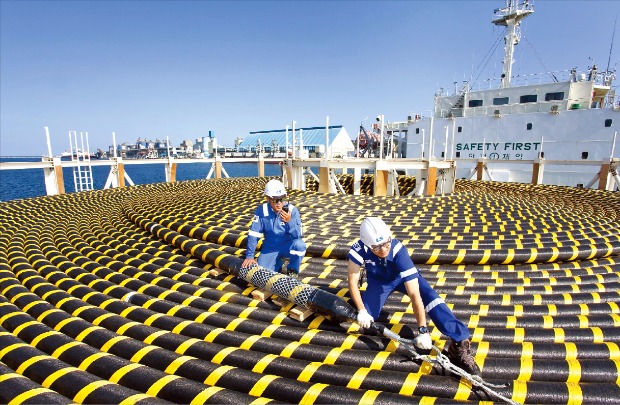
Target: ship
{"type": "Point", "coordinates": [78, 153]}
{"type": "Point", "coordinates": [555, 128]}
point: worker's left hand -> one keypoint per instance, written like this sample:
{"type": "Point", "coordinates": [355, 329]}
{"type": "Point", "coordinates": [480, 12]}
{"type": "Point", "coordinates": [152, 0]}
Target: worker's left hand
{"type": "Point", "coordinates": [285, 216]}
{"type": "Point", "coordinates": [423, 341]}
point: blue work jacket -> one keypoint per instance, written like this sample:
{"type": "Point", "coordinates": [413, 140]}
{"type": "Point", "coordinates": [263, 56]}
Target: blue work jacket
{"type": "Point", "coordinates": [397, 264]}
{"type": "Point", "coordinates": [277, 233]}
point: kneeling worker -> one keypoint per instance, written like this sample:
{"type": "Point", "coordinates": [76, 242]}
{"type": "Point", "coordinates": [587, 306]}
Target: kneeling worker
{"type": "Point", "coordinates": [280, 224]}
{"type": "Point", "coordinates": [389, 268]}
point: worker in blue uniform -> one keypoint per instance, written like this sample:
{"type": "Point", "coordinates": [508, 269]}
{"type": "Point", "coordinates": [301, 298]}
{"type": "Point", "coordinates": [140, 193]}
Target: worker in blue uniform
{"type": "Point", "coordinates": [280, 224]}
{"type": "Point", "coordinates": [389, 268]}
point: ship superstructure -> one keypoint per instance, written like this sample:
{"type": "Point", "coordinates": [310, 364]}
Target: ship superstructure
{"type": "Point", "coordinates": [567, 121]}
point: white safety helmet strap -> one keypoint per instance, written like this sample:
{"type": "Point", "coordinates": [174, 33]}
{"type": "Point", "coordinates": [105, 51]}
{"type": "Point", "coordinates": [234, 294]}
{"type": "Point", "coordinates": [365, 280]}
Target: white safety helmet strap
{"type": "Point", "coordinates": [374, 231]}
{"type": "Point", "coordinates": [274, 188]}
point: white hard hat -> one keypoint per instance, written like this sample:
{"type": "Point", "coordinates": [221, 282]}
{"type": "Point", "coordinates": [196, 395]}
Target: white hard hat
{"type": "Point", "coordinates": [274, 188]}
{"type": "Point", "coordinates": [374, 231]}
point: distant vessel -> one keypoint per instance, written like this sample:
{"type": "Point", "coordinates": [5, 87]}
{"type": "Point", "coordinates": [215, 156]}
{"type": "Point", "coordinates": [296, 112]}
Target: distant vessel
{"type": "Point", "coordinates": [565, 120]}
{"type": "Point", "coordinates": [78, 153]}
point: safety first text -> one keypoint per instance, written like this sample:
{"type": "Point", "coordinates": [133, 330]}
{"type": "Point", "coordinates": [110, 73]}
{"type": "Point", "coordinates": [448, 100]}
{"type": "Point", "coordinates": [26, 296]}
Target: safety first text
{"type": "Point", "coordinates": [499, 146]}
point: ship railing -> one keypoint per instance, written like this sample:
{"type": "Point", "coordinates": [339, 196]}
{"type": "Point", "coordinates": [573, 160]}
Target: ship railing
{"type": "Point", "coordinates": [555, 106]}
{"type": "Point", "coordinates": [605, 172]}
{"type": "Point", "coordinates": [396, 126]}
{"type": "Point", "coordinates": [600, 78]}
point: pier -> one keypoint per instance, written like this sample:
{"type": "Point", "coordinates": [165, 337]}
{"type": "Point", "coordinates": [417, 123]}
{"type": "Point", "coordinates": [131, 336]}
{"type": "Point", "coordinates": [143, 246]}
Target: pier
{"type": "Point", "coordinates": [435, 176]}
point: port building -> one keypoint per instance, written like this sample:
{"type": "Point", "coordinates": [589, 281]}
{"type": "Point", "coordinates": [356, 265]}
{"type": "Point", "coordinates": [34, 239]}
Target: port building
{"type": "Point", "coordinates": [307, 142]}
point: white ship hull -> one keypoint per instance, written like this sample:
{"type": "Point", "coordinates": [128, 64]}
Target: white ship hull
{"type": "Point", "coordinates": [509, 149]}
{"type": "Point", "coordinates": [555, 128]}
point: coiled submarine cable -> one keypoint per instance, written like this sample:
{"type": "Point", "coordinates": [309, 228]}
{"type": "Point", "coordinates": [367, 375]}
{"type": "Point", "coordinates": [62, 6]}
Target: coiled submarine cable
{"type": "Point", "coordinates": [443, 361]}
{"type": "Point", "coordinates": [337, 308]}
{"type": "Point", "coordinates": [331, 305]}
{"type": "Point", "coordinates": [551, 356]}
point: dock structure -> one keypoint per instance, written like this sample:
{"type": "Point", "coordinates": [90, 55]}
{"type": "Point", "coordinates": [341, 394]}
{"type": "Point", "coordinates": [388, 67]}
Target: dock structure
{"type": "Point", "coordinates": [434, 177]}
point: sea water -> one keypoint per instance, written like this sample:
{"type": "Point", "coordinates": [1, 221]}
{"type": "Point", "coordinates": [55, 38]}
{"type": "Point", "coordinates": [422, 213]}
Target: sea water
{"type": "Point", "coordinates": [28, 183]}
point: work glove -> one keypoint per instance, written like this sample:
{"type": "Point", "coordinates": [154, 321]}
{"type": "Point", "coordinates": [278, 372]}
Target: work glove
{"type": "Point", "coordinates": [364, 319]}
{"type": "Point", "coordinates": [423, 341]}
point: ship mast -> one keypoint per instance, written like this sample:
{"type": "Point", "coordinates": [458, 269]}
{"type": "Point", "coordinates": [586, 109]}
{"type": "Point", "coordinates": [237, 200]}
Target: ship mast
{"type": "Point", "coordinates": [510, 17]}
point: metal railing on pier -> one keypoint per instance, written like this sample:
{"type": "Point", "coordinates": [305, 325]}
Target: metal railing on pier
{"type": "Point", "coordinates": [435, 176]}
{"type": "Point", "coordinates": [117, 177]}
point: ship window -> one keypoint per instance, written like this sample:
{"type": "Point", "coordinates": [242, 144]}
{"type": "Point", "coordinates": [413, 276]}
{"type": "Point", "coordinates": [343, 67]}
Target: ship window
{"type": "Point", "coordinates": [554, 96]}
{"type": "Point", "coordinates": [475, 103]}
{"type": "Point", "coordinates": [607, 123]}
{"type": "Point", "coordinates": [529, 126]}
{"type": "Point", "coordinates": [458, 154]}
{"type": "Point", "coordinates": [528, 98]}
{"type": "Point", "coordinates": [417, 130]}
{"type": "Point", "coordinates": [460, 129]}
{"type": "Point", "coordinates": [500, 100]}
{"type": "Point", "coordinates": [584, 155]}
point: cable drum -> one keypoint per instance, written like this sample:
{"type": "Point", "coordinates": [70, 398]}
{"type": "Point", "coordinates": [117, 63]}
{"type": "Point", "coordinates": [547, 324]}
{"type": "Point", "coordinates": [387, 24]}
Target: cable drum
{"type": "Point", "coordinates": [109, 296]}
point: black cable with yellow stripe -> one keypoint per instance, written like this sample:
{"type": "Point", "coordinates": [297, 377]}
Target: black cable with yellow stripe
{"type": "Point", "coordinates": [121, 278]}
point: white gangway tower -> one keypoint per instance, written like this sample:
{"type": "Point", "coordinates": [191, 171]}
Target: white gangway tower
{"type": "Point", "coordinates": [80, 156]}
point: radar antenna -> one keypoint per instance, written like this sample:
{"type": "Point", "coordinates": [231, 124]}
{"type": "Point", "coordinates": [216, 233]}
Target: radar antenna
{"type": "Point", "coordinates": [611, 47]}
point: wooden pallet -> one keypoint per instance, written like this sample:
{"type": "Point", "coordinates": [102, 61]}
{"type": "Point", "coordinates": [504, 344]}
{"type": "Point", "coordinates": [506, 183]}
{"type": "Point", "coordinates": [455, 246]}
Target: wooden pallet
{"type": "Point", "coordinates": [217, 272]}
{"type": "Point", "coordinates": [279, 301]}
{"type": "Point", "coordinates": [260, 295]}
{"type": "Point", "coordinates": [298, 313]}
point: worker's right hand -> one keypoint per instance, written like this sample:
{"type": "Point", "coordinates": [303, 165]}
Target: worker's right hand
{"type": "Point", "coordinates": [423, 341]}
{"type": "Point", "coordinates": [248, 262]}
{"type": "Point", "coordinates": [364, 319]}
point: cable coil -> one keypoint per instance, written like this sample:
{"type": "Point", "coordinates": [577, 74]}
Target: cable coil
{"type": "Point", "coordinates": [109, 296]}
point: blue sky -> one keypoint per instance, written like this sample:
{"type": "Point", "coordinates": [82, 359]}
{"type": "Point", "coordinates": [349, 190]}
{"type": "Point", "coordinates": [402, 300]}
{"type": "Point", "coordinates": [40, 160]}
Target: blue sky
{"type": "Point", "coordinates": [160, 69]}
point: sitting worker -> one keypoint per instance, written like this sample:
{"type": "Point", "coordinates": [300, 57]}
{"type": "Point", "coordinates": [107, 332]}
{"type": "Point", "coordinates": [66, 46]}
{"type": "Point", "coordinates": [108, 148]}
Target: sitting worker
{"type": "Point", "coordinates": [389, 268]}
{"type": "Point", "coordinates": [280, 223]}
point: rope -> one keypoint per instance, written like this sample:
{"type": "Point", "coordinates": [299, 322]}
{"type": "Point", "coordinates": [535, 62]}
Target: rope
{"type": "Point", "coordinates": [443, 361]}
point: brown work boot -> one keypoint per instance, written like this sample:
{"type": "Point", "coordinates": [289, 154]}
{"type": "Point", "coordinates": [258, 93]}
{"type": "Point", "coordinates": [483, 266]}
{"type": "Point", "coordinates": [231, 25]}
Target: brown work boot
{"type": "Point", "coordinates": [460, 355]}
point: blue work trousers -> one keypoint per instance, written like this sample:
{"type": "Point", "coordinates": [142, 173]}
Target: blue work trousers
{"type": "Point", "coordinates": [377, 292]}
{"type": "Point", "coordinates": [271, 256]}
